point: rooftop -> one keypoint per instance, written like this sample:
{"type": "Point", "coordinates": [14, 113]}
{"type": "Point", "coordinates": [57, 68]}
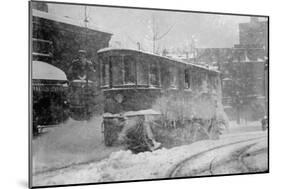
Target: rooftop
{"type": "Point", "coordinates": [65, 20]}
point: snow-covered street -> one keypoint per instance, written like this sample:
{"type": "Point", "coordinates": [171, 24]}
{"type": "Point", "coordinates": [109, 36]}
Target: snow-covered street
{"type": "Point", "coordinates": [70, 143]}
{"type": "Point", "coordinates": [239, 157]}
{"type": "Point", "coordinates": [98, 163]}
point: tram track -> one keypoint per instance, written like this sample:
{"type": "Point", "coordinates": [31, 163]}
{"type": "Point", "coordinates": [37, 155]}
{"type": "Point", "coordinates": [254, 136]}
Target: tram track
{"type": "Point", "coordinates": [217, 165]}
{"type": "Point", "coordinates": [173, 171]}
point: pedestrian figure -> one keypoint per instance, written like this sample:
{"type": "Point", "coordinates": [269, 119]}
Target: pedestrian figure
{"type": "Point", "coordinates": [81, 68]}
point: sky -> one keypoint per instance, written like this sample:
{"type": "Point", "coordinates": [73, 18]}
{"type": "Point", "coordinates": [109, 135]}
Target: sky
{"type": "Point", "coordinates": [130, 26]}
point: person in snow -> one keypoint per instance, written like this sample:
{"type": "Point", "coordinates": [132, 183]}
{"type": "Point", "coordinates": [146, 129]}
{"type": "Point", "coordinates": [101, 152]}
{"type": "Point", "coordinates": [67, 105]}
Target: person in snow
{"type": "Point", "coordinates": [153, 144]}
{"type": "Point", "coordinates": [140, 127]}
{"type": "Point", "coordinates": [81, 68]}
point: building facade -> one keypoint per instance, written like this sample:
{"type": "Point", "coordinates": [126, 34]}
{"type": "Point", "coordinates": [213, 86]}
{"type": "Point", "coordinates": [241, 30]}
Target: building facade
{"type": "Point", "coordinates": [244, 69]}
{"type": "Point", "coordinates": [59, 41]}
{"type": "Point", "coordinates": [67, 37]}
{"type": "Point", "coordinates": [245, 75]}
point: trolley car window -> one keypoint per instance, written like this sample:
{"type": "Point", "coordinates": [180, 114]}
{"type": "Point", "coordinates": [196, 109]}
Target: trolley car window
{"type": "Point", "coordinates": [105, 72]}
{"type": "Point", "coordinates": [130, 70]}
{"type": "Point", "coordinates": [117, 70]}
{"type": "Point", "coordinates": [154, 75]}
{"type": "Point", "coordinates": [213, 83]}
{"type": "Point", "coordinates": [187, 78]}
{"type": "Point", "coordinates": [197, 80]}
{"type": "Point", "coordinates": [204, 85]}
{"type": "Point", "coordinates": [142, 69]}
{"type": "Point", "coordinates": [173, 77]}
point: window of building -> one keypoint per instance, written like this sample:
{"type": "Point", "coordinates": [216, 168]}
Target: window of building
{"type": "Point", "coordinates": [187, 78]}
{"type": "Point", "coordinates": [142, 69]}
{"type": "Point", "coordinates": [42, 46]}
{"type": "Point", "coordinates": [130, 70]}
{"type": "Point", "coordinates": [154, 74]}
{"type": "Point", "coordinates": [105, 72]}
{"type": "Point", "coordinates": [117, 70]}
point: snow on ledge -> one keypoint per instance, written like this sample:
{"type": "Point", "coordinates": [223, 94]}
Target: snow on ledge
{"type": "Point", "coordinates": [65, 20]}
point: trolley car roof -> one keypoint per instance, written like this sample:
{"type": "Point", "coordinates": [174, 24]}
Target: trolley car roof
{"type": "Point", "coordinates": [44, 71]}
{"type": "Point", "coordinates": [108, 49]}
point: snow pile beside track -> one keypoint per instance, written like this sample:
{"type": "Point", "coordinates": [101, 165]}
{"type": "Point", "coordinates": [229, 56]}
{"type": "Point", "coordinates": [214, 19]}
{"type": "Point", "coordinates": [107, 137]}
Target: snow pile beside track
{"type": "Point", "coordinates": [70, 143]}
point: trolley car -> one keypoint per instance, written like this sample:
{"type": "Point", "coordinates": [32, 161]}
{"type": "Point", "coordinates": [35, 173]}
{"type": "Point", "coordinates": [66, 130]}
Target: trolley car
{"type": "Point", "coordinates": [133, 80]}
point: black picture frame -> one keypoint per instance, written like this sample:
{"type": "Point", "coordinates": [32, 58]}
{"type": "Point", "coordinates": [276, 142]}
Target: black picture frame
{"type": "Point", "coordinates": [30, 68]}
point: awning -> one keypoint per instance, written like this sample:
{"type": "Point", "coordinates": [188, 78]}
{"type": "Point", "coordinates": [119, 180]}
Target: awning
{"type": "Point", "coordinates": [44, 71]}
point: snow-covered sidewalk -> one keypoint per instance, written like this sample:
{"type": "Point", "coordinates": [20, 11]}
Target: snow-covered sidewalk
{"type": "Point", "coordinates": [123, 165]}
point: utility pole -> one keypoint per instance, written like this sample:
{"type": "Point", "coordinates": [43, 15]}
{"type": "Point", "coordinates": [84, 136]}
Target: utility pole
{"type": "Point", "coordinates": [265, 78]}
{"type": "Point", "coordinates": [156, 36]}
{"type": "Point", "coordinates": [87, 64]}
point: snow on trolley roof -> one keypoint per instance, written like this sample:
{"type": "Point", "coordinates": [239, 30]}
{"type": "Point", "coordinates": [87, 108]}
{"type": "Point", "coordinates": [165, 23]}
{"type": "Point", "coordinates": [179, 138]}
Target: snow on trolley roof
{"type": "Point", "coordinates": [65, 20]}
{"type": "Point", "coordinates": [45, 71]}
{"type": "Point", "coordinates": [156, 55]}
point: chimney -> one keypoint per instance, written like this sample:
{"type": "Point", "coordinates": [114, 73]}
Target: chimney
{"type": "Point", "coordinates": [138, 46]}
